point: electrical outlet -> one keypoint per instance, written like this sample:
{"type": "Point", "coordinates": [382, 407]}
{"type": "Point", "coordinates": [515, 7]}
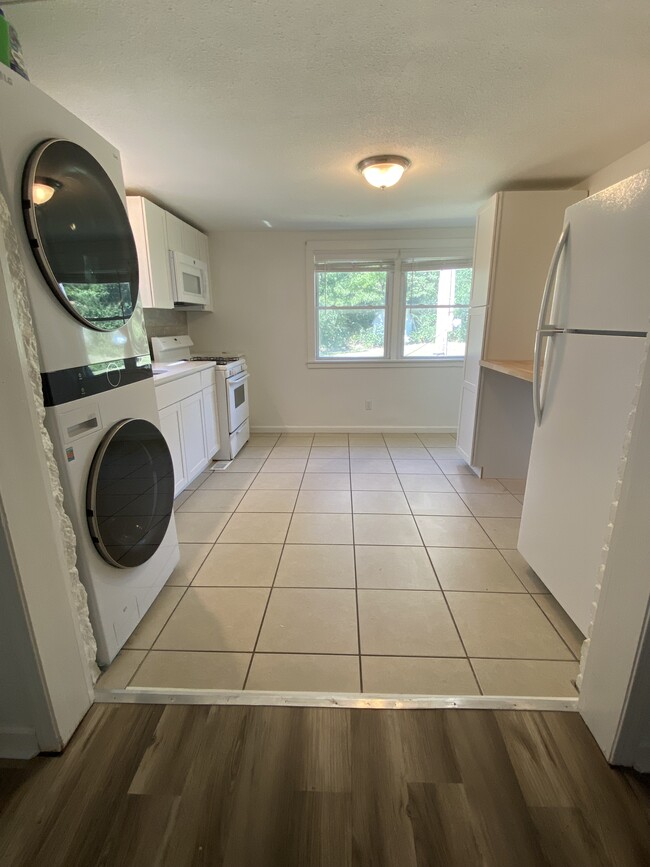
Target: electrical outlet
{"type": "Point", "coordinates": [368, 404]}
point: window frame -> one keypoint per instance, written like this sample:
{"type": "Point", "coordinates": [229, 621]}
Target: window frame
{"type": "Point", "coordinates": [450, 251]}
{"type": "Point", "coordinates": [388, 309]}
{"type": "Point", "coordinates": [441, 265]}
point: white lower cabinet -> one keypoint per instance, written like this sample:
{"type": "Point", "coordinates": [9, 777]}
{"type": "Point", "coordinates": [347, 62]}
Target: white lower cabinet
{"type": "Point", "coordinates": [193, 434]}
{"type": "Point", "coordinates": [172, 429]}
{"type": "Point", "coordinates": [467, 421]}
{"type": "Point", "coordinates": [211, 421]}
{"type": "Point", "coordinates": [190, 424]}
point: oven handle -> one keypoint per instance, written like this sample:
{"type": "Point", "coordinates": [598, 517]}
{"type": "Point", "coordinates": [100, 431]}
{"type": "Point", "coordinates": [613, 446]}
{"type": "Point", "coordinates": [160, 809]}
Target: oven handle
{"type": "Point", "coordinates": [238, 379]}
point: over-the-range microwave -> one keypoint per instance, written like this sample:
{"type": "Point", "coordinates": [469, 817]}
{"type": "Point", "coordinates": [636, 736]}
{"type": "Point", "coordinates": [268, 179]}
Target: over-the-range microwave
{"type": "Point", "coordinates": [190, 279]}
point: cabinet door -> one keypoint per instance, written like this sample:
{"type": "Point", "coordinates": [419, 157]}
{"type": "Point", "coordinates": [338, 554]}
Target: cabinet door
{"type": "Point", "coordinates": [160, 275]}
{"type": "Point", "coordinates": [174, 228]}
{"type": "Point", "coordinates": [172, 429]}
{"type": "Point", "coordinates": [484, 251]}
{"type": "Point", "coordinates": [193, 435]}
{"type": "Point", "coordinates": [473, 353]}
{"type": "Point", "coordinates": [191, 242]}
{"type": "Point", "coordinates": [211, 420]}
{"type": "Point", "coordinates": [467, 420]}
{"type": "Point", "coordinates": [204, 249]}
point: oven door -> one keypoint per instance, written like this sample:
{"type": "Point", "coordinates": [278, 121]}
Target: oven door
{"type": "Point", "coordinates": [190, 279]}
{"type": "Point", "coordinates": [237, 387]}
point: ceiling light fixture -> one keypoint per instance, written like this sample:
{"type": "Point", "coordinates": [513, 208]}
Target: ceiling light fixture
{"type": "Point", "coordinates": [383, 171]}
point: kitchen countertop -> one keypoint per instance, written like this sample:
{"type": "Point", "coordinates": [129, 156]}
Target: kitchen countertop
{"type": "Point", "coordinates": [519, 369]}
{"type": "Point", "coordinates": [167, 372]}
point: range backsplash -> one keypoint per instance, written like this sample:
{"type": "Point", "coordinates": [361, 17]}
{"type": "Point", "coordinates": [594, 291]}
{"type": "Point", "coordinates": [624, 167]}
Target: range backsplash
{"type": "Point", "coordinates": [165, 323]}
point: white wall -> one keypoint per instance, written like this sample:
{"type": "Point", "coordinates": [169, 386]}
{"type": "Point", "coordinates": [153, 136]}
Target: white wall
{"type": "Point", "coordinates": [622, 168]}
{"type": "Point", "coordinates": [259, 282]}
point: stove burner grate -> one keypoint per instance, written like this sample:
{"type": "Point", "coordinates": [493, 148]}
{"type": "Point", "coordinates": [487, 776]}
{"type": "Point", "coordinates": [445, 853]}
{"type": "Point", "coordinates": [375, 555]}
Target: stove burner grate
{"type": "Point", "coordinates": [220, 359]}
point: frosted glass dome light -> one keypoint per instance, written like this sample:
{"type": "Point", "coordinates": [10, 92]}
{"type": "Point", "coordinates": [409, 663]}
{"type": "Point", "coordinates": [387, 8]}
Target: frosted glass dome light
{"type": "Point", "coordinates": [42, 193]}
{"type": "Point", "coordinates": [383, 171]}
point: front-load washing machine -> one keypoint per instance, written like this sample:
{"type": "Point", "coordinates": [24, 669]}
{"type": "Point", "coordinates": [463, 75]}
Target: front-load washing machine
{"type": "Point", "coordinates": [119, 492]}
{"type": "Point", "coordinates": [64, 187]}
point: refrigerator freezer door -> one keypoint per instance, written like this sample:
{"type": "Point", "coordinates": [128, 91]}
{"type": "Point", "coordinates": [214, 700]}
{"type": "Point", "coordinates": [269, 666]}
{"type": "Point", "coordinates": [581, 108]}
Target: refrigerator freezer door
{"type": "Point", "coordinates": [604, 277]}
{"type": "Point", "coordinates": [590, 381]}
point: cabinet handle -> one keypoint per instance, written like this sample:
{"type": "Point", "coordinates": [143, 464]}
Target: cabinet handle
{"type": "Point", "coordinates": [543, 329]}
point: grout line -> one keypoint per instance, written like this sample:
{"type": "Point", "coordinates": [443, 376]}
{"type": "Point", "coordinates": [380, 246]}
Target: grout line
{"type": "Point", "coordinates": [356, 585]}
{"type": "Point", "coordinates": [352, 513]}
{"type": "Point", "coordinates": [275, 574]}
{"type": "Point", "coordinates": [196, 573]}
{"type": "Point", "coordinates": [167, 619]}
{"type": "Point", "coordinates": [453, 619]}
{"type": "Point", "coordinates": [501, 550]}
{"type": "Point", "coordinates": [351, 587]}
{"type": "Point", "coordinates": [566, 643]}
{"type": "Point", "coordinates": [187, 586]}
{"type": "Point", "coordinates": [355, 655]}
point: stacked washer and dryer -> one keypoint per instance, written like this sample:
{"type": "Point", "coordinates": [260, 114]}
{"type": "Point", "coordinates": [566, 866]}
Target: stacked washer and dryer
{"type": "Point", "coordinates": [65, 190]}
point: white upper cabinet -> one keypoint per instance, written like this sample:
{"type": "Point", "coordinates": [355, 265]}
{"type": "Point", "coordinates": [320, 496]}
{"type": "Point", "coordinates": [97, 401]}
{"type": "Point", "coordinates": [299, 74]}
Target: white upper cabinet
{"type": "Point", "coordinates": [483, 247]}
{"type": "Point", "coordinates": [148, 222]}
{"type": "Point", "coordinates": [526, 231]}
{"type": "Point", "coordinates": [515, 236]}
{"type": "Point", "coordinates": [191, 241]}
{"type": "Point", "coordinates": [183, 238]}
{"type": "Point", "coordinates": [516, 232]}
{"type": "Point", "coordinates": [204, 249]}
{"type": "Point", "coordinates": [175, 232]}
{"type": "Point", "coordinates": [156, 233]}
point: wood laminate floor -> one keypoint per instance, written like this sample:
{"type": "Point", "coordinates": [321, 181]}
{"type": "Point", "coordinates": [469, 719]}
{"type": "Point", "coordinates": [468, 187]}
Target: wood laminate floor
{"type": "Point", "coordinates": [254, 787]}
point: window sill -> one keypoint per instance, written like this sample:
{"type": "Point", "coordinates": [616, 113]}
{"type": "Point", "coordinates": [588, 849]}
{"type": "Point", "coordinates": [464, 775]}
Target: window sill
{"type": "Point", "coordinates": [337, 364]}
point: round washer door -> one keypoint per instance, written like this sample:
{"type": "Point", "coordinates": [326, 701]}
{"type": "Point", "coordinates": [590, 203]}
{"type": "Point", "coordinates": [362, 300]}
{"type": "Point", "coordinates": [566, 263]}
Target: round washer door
{"type": "Point", "coordinates": [130, 493]}
{"type": "Point", "coordinates": [80, 234]}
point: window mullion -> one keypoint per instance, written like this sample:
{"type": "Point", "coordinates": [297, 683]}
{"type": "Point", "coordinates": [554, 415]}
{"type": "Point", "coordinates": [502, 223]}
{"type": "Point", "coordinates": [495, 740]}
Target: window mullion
{"type": "Point", "coordinates": [395, 310]}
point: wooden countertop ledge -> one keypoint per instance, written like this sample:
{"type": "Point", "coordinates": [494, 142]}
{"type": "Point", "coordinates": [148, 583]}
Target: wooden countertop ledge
{"type": "Point", "coordinates": [519, 369]}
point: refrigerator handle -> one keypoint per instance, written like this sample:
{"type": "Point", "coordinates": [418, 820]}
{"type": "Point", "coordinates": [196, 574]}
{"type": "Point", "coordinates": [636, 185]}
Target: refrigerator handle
{"type": "Point", "coordinates": [544, 330]}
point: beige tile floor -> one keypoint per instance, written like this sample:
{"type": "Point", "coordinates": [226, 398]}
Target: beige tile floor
{"type": "Point", "coordinates": [347, 563]}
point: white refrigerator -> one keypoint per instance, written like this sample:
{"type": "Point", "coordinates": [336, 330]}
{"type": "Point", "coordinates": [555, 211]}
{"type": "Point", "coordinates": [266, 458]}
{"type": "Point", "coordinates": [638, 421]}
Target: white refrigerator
{"type": "Point", "coordinates": [589, 353]}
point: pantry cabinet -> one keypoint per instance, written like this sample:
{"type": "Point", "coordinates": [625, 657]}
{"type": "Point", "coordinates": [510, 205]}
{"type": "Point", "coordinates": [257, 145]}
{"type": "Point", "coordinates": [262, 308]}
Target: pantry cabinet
{"type": "Point", "coordinates": [516, 233]}
{"type": "Point", "coordinates": [157, 233]}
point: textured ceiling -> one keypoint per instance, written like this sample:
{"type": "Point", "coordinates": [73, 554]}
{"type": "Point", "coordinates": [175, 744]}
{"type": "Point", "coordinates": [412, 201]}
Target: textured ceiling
{"type": "Point", "coordinates": [231, 112]}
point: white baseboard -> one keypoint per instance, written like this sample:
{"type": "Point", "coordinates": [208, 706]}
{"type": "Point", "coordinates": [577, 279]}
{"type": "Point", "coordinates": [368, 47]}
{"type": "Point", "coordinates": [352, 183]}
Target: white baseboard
{"type": "Point", "coordinates": [383, 428]}
{"type": "Point", "coordinates": [18, 743]}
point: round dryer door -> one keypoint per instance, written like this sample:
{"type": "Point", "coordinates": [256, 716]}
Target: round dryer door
{"type": "Point", "coordinates": [80, 234]}
{"type": "Point", "coordinates": [130, 493]}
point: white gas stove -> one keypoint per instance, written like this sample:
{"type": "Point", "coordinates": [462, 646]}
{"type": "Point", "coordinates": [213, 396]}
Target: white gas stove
{"type": "Point", "coordinates": [231, 376]}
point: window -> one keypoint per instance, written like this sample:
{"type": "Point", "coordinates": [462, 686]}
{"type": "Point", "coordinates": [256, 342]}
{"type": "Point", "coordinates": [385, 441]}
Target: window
{"type": "Point", "coordinates": [436, 302]}
{"type": "Point", "coordinates": [393, 307]}
{"type": "Point", "coordinates": [352, 300]}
